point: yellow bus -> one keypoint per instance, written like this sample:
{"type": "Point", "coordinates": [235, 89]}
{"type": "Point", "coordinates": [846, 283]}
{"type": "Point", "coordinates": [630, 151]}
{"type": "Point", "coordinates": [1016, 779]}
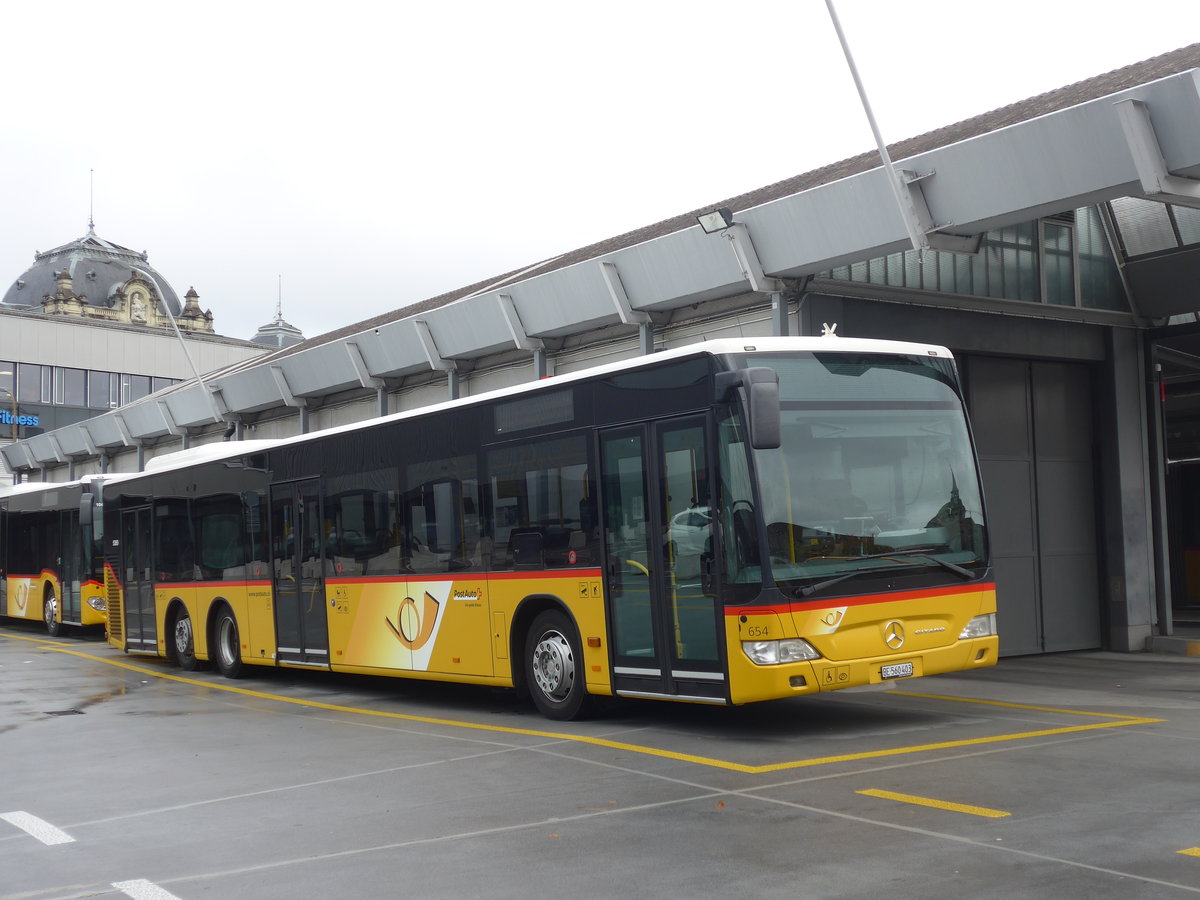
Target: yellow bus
{"type": "Point", "coordinates": [723, 523]}
{"type": "Point", "coordinates": [50, 559]}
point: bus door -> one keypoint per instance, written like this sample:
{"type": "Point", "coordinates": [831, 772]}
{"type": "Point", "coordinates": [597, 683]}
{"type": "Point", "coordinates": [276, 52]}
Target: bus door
{"type": "Point", "coordinates": [3, 559]}
{"type": "Point", "coordinates": [298, 565]}
{"type": "Point", "coordinates": [70, 570]}
{"type": "Point", "coordinates": [137, 576]}
{"type": "Point", "coordinates": [665, 633]}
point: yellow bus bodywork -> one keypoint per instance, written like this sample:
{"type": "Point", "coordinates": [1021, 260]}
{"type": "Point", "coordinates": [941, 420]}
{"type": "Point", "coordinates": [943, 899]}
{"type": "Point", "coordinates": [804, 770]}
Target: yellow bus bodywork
{"type": "Point", "coordinates": [852, 634]}
{"type": "Point", "coordinates": [456, 628]}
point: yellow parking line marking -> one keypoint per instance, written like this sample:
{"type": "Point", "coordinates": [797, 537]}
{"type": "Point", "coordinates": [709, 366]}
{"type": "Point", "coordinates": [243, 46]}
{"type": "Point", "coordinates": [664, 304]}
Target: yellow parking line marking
{"type": "Point", "coordinates": [937, 804]}
{"type": "Point", "coordinates": [1112, 721]}
{"type": "Point", "coordinates": [1007, 705]}
{"type": "Point", "coordinates": [1191, 851]}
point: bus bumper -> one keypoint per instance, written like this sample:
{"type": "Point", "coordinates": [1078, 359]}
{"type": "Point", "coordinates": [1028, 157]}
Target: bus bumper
{"type": "Point", "coordinates": [750, 682]}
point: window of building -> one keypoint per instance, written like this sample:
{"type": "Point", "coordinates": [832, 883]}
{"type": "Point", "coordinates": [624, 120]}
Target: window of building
{"type": "Point", "coordinates": [70, 387]}
{"type": "Point", "coordinates": [102, 390]}
{"type": "Point", "coordinates": [134, 387]}
{"type": "Point", "coordinates": [29, 383]}
{"type": "Point", "coordinates": [1100, 284]}
{"type": "Point", "coordinates": [1058, 247]}
{"type": "Point", "coordinates": [1063, 260]}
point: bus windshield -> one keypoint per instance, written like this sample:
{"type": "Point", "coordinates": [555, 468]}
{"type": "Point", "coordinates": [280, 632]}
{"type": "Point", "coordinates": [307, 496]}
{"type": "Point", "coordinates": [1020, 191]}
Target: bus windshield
{"type": "Point", "coordinates": [875, 472]}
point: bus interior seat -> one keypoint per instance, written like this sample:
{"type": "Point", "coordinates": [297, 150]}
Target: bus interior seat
{"type": "Point", "coordinates": [528, 548]}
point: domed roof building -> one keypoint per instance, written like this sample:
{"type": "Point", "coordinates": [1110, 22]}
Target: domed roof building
{"type": "Point", "coordinates": [278, 332]}
{"type": "Point", "coordinates": [92, 278]}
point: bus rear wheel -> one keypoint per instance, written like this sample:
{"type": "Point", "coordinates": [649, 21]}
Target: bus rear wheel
{"type": "Point", "coordinates": [50, 613]}
{"type": "Point", "coordinates": [554, 667]}
{"type": "Point", "coordinates": [227, 644]}
{"type": "Point", "coordinates": [185, 642]}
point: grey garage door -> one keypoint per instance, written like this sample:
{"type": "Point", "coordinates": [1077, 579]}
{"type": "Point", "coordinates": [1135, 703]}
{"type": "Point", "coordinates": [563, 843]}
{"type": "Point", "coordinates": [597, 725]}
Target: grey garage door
{"type": "Point", "coordinates": [1033, 425]}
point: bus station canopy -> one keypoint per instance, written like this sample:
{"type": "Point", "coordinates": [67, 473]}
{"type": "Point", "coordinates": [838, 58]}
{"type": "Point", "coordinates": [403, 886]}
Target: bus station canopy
{"type": "Point", "coordinates": [1134, 132]}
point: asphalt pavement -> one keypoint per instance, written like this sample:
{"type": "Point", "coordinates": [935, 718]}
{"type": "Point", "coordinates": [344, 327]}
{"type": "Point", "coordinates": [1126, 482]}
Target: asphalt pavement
{"type": "Point", "coordinates": [1067, 775]}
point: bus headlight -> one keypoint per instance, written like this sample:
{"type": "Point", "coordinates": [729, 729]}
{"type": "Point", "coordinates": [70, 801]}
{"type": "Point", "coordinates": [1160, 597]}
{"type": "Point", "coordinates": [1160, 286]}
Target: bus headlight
{"type": "Point", "coordinates": [980, 626]}
{"type": "Point", "coordinates": [97, 603]}
{"type": "Point", "coordinates": [773, 653]}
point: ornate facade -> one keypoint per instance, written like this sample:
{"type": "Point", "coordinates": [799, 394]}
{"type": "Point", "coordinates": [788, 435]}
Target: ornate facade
{"type": "Point", "coordinates": [91, 278]}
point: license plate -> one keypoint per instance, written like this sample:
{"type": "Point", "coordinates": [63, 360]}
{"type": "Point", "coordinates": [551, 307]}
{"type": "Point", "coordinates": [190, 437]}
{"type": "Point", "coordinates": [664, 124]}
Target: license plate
{"type": "Point", "coordinates": [899, 670]}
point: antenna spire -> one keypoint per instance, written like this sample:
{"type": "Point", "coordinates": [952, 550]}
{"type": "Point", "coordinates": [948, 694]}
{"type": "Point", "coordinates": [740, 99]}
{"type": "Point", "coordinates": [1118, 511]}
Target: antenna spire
{"type": "Point", "coordinates": [279, 302]}
{"type": "Point", "coordinates": [91, 201]}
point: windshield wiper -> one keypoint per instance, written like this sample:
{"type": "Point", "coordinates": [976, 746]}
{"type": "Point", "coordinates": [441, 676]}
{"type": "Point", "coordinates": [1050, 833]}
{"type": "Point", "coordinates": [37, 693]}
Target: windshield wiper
{"type": "Point", "coordinates": [915, 552]}
{"type": "Point", "coordinates": [809, 589]}
{"type": "Point", "coordinates": [956, 569]}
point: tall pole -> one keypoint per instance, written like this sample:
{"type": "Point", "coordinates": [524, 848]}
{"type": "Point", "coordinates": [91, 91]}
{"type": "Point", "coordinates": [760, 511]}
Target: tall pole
{"type": "Point", "coordinates": [212, 402]}
{"type": "Point", "coordinates": [919, 241]}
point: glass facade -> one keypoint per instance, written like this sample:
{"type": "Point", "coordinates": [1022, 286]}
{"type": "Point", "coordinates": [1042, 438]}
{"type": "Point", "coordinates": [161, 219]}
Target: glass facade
{"type": "Point", "coordinates": [43, 398]}
{"type": "Point", "coordinates": [1062, 260]}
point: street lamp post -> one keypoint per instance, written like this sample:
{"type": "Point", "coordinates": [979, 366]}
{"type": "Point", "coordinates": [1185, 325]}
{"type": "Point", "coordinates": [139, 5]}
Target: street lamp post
{"type": "Point", "coordinates": [12, 397]}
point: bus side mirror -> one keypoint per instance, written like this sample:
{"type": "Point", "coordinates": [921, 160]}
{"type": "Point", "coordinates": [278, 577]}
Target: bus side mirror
{"type": "Point", "coordinates": [761, 384]}
{"type": "Point", "coordinates": [86, 507]}
{"type": "Point", "coordinates": [762, 390]}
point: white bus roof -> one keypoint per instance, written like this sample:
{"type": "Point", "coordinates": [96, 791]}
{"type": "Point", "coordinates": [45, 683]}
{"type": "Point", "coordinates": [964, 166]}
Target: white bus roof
{"type": "Point", "coordinates": [797, 344]}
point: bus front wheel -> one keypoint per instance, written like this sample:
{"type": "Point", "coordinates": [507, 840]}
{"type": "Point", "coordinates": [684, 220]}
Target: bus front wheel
{"type": "Point", "coordinates": [554, 667]}
{"type": "Point", "coordinates": [228, 644]}
{"type": "Point", "coordinates": [50, 613]}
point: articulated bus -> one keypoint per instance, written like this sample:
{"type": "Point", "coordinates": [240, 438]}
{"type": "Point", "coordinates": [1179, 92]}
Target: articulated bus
{"type": "Point", "coordinates": [730, 522]}
{"type": "Point", "coordinates": [51, 563]}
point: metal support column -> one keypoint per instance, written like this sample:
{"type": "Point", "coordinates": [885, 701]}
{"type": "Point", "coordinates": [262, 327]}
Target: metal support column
{"type": "Point", "coordinates": [779, 314]}
{"type": "Point", "coordinates": [646, 338]}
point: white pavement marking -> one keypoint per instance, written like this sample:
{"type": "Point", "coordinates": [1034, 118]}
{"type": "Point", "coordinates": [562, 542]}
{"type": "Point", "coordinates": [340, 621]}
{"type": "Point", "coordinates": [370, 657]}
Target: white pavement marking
{"type": "Point", "coordinates": [141, 889]}
{"type": "Point", "coordinates": [39, 828]}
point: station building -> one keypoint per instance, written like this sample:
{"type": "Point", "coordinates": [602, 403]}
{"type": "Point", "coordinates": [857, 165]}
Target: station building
{"type": "Point", "coordinates": [1053, 245]}
{"type": "Point", "coordinates": [88, 328]}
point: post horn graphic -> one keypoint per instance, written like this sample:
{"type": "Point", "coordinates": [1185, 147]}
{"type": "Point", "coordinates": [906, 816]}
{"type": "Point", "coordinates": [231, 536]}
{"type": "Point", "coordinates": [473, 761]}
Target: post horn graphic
{"type": "Point", "coordinates": [22, 598]}
{"type": "Point", "coordinates": [413, 627]}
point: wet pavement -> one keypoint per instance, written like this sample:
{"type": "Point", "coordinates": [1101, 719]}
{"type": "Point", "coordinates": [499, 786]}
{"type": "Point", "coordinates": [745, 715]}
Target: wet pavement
{"type": "Point", "coordinates": [1067, 775]}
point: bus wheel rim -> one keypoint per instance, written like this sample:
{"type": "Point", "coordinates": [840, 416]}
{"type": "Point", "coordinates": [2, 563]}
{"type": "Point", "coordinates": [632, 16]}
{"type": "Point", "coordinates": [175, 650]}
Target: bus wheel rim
{"type": "Point", "coordinates": [223, 643]}
{"type": "Point", "coordinates": [51, 608]}
{"type": "Point", "coordinates": [554, 666]}
{"type": "Point", "coordinates": [183, 634]}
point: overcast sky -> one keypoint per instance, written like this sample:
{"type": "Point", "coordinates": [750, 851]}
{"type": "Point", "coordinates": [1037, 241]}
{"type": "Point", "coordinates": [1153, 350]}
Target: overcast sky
{"type": "Point", "coordinates": [371, 155]}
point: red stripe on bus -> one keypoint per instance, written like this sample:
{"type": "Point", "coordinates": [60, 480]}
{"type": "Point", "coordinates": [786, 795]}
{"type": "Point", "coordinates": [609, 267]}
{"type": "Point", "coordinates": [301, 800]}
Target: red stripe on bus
{"type": "Point", "coordinates": [180, 585]}
{"type": "Point", "coordinates": [469, 576]}
{"type": "Point", "coordinates": [863, 600]}
{"type": "Point", "coordinates": [374, 579]}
